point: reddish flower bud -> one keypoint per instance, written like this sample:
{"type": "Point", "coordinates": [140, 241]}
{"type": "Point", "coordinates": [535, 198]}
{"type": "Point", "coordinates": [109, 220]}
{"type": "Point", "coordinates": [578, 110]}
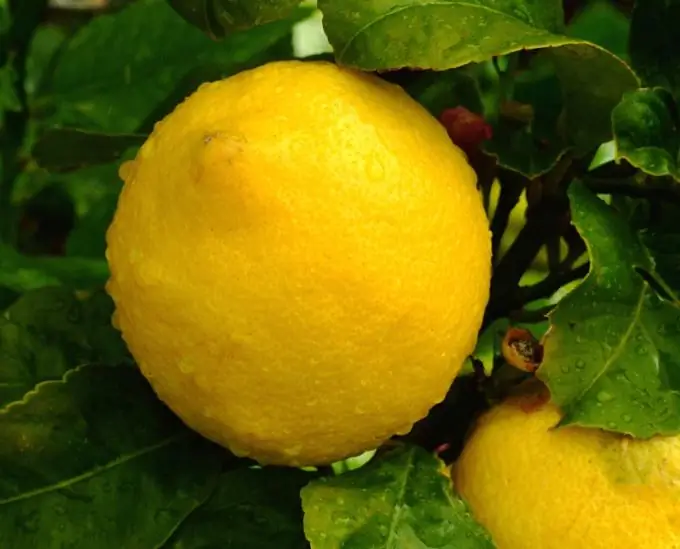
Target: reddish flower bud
{"type": "Point", "coordinates": [465, 128]}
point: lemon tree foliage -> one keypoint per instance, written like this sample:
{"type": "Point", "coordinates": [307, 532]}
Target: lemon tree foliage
{"type": "Point", "coordinates": [67, 149]}
{"type": "Point", "coordinates": [568, 114]}
{"type": "Point", "coordinates": [654, 44]}
{"type": "Point", "coordinates": [249, 509]}
{"type": "Point", "coordinates": [663, 243]}
{"type": "Point", "coordinates": [647, 131]}
{"type": "Point", "coordinates": [47, 332]}
{"type": "Point", "coordinates": [76, 452]}
{"type": "Point", "coordinates": [646, 123]}
{"type": "Point", "coordinates": [449, 33]}
{"type": "Point", "coordinates": [402, 499]}
{"type": "Point", "coordinates": [19, 272]}
{"type": "Point", "coordinates": [622, 368]}
{"type": "Point", "coordinates": [218, 17]}
{"type": "Point", "coordinates": [89, 89]}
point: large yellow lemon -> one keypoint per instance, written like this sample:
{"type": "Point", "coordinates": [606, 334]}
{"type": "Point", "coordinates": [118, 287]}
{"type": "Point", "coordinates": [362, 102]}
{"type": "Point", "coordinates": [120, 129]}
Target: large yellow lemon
{"type": "Point", "coordinates": [534, 486]}
{"type": "Point", "coordinates": [300, 261]}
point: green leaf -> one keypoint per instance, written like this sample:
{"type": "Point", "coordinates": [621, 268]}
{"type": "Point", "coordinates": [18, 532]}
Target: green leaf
{"type": "Point", "coordinates": [25, 361]}
{"type": "Point", "coordinates": [219, 17]}
{"type": "Point", "coordinates": [88, 238]}
{"type": "Point", "coordinates": [401, 500]}
{"type": "Point", "coordinates": [437, 90]}
{"type": "Point", "coordinates": [601, 23]}
{"type": "Point", "coordinates": [242, 14]}
{"type": "Point", "coordinates": [656, 223]}
{"type": "Point", "coordinates": [95, 460]}
{"type": "Point", "coordinates": [45, 46]}
{"type": "Point", "coordinates": [200, 14]}
{"type": "Point", "coordinates": [66, 149]}
{"type": "Point", "coordinates": [655, 43]}
{"type": "Point", "coordinates": [527, 137]}
{"type": "Point", "coordinates": [489, 344]}
{"type": "Point", "coordinates": [78, 323]}
{"type": "Point", "coordinates": [612, 355]}
{"type": "Point", "coordinates": [442, 34]}
{"type": "Point", "coordinates": [5, 17]}
{"type": "Point", "coordinates": [593, 83]}
{"type": "Point", "coordinates": [660, 233]}
{"type": "Point", "coordinates": [446, 34]}
{"type": "Point", "coordinates": [21, 273]}
{"type": "Point", "coordinates": [47, 332]}
{"type": "Point", "coordinates": [249, 509]}
{"type": "Point", "coordinates": [9, 100]}
{"type": "Point", "coordinates": [664, 247]}
{"type": "Point", "coordinates": [647, 131]}
{"type": "Point", "coordinates": [116, 70]}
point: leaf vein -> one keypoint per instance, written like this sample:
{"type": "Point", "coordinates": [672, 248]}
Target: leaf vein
{"type": "Point", "coordinates": [85, 476]}
{"type": "Point", "coordinates": [398, 508]}
{"type": "Point", "coordinates": [619, 349]}
{"type": "Point", "coordinates": [401, 9]}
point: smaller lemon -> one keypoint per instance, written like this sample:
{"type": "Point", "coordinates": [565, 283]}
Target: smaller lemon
{"type": "Point", "coordinates": [534, 486]}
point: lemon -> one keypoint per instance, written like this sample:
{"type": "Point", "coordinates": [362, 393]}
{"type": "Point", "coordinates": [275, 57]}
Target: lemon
{"type": "Point", "coordinates": [536, 486]}
{"type": "Point", "coordinates": [300, 261]}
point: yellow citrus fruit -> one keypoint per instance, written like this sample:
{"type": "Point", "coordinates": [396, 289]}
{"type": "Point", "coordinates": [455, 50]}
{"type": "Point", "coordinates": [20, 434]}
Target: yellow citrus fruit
{"type": "Point", "coordinates": [300, 261]}
{"type": "Point", "coordinates": [536, 486]}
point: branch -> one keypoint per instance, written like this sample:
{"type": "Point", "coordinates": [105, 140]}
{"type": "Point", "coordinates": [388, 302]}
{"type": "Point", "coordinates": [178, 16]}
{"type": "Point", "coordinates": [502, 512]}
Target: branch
{"type": "Point", "coordinates": [628, 187]}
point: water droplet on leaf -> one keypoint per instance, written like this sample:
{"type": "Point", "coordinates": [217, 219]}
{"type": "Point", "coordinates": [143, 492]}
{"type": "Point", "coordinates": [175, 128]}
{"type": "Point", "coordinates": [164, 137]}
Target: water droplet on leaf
{"type": "Point", "coordinates": [605, 396]}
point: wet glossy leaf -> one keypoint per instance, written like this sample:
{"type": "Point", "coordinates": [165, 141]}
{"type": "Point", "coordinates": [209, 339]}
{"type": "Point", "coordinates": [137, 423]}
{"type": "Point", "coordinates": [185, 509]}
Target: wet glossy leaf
{"type": "Point", "coordinates": [65, 149]}
{"type": "Point", "coordinates": [98, 457]}
{"type": "Point", "coordinates": [220, 17]}
{"type": "Point", "coordinates": [374, 34]}
{"type": "Point", "coordinates": [647, 131]}
{"type": "Point", "coordinates": [449, 34]}
{"type": "Point", "coordinates": [612, 356]}
{"type": "Point", "coordinates": [661, 237]}
{"type": "Point", "coordinates": [400, 500]}
{"type": "Point", "coordinates": [118, 68]}
{"type": "Point", "coordinates": [47, 332]}
{"type": "Point", "coordinates": [249, 509]}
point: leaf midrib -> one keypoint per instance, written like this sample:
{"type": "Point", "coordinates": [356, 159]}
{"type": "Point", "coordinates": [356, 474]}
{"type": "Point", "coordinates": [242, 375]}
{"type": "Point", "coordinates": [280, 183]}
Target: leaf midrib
{"type": "Point", "coordinates": [622, 344]}
{"type": "Point", "coordinates": [396, 515]}
{"type": "Point", "coordinates": [401, 9]}
{"type": "Point", "coordinates": [85, 476]}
